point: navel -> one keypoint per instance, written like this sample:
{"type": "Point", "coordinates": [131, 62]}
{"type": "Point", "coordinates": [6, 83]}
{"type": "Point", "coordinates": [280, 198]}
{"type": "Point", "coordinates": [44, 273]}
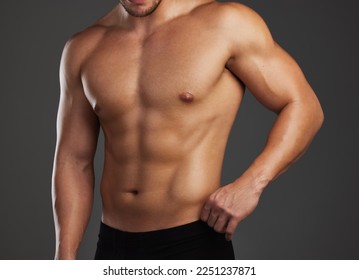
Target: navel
{"type": "Point", "coordinates": [186, 97]}
{"type": "Point", "coordinates": [134, 192]}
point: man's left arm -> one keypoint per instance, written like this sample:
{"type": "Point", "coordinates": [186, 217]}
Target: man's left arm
{"type": "Point", "coordinates": [276, 81]}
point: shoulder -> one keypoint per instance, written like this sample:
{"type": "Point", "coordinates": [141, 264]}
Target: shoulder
{"type": "Point", "coordinates": [235, 14]}
{"type": "Point", "coordinates": [81, 44]}
{"type": "Point", "coordinates": [83, 41]}
{"type": "Point", "coordinates": [77, 48]}
{"type": "Point", "coordinates": [239, 23]}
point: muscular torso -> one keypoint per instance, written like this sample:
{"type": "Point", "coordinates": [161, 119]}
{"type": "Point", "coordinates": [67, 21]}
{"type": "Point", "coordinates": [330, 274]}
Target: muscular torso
{"type": "Point", "coordinates": [166, 103]}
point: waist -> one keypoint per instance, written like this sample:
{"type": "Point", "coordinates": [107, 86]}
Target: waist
{"type": "Point", "coordinates": [194, 240]}
{"type": "Point", "coordinates": [148, 213]}
{"type": "Point", "coordinates": [192, 228]}
{"type": "Point", "coordinates": [150, 195]}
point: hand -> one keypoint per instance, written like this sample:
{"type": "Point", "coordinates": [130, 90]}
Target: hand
{"type": "Point", "coordinates": [228, 206]}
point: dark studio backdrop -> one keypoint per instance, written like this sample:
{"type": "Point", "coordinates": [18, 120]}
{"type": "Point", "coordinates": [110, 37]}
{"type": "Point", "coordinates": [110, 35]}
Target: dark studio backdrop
{"type": "Point", "coordinates": [310, 212]}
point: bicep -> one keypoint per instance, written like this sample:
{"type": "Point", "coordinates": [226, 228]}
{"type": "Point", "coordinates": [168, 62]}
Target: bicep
{"type": "Point", "coordinates": [77, 124]}
{"type": "Point", "coordinates": [268, 71]}
{"type": "Point", "coordinates": [77, 127]}
{"type": "Point", "coordinates": [273, 77]}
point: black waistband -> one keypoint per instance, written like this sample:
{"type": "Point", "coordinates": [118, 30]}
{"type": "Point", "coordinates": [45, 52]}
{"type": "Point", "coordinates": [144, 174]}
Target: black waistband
{"type": "Point", "coordinates": [187, 230]}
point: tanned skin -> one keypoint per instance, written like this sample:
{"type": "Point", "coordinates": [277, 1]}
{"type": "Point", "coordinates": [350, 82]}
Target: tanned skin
{"type": "Point", "coordinates": [164, 80]}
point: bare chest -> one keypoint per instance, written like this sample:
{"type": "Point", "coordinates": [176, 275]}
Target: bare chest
{"type": "Point", "coordinates": [168, 72]}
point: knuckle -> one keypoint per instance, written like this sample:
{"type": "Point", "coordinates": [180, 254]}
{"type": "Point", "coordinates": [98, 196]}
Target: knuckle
{"type": "Point", "coordinates": [218, 204]}
{"type": "Point", "coordinates": [211, 201]}
{"type": "Point", "coordinates": [221, 230]}
{"type": "Point", "coordinates": [213, 196]}
{"type": "Point", "coordinates": [237, 217]}
{"type": "Point", "coordinates": [228, 212]}
{"type": "Point", "coordinates": [221, 217]}
{"type": "Point", "coordinates": [216, 228]}
{"type": "Point", "coordinates": [229, 232]}
{"type": "Point", "coordinates": [203, 217]}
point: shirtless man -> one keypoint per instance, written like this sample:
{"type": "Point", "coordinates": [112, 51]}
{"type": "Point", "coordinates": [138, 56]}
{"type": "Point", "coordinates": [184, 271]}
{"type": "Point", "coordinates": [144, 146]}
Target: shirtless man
{"type": "Point", "coordinates": [164, 80]}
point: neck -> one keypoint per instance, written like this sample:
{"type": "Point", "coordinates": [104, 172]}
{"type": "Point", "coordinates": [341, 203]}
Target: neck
{"type": "Point", "coordinates": [165, 12]}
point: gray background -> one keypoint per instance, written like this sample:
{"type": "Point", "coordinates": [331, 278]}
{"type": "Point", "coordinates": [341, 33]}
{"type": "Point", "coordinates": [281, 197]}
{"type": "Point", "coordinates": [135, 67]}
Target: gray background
{"type": "Point", "coordinates": [311, 212]}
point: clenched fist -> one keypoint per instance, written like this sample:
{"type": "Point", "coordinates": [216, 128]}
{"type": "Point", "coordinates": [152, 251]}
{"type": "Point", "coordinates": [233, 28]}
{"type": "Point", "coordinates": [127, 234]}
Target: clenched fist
{"type": "Point", "coordinates": [229, 205]}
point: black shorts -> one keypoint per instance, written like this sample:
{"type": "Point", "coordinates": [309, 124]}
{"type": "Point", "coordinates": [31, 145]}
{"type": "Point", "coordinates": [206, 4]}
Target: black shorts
{"type": "Point", "coordinates": [193, 241]}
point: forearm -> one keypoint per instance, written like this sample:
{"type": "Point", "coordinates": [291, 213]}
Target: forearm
{"type": "Point", "coordinates": [291, 134]}
{"type": "Point", "coordinates": [72, 194]}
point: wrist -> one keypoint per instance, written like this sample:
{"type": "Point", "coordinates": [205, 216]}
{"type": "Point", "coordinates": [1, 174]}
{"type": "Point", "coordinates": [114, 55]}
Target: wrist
{"type": "Point", "coordinates": [256, 180]}
{"type": "Point", "coordinates": [65, 254]}
{"type": "Point", "coordinates": [62, 256]}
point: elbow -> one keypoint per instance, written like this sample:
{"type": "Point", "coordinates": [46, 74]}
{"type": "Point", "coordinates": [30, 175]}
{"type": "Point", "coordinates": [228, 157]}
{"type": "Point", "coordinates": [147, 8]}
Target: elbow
{"type": "Point", "coordinates": [314, 117]}
{"type": "Point", "coordinates": [318, 119]}
{"type": "Point", "coordinates": [312, 113]}
{"type": "Point", "coordinates": [321, 119]}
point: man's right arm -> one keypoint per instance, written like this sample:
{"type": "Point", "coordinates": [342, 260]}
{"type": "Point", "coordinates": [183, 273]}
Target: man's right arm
{"type": "Point", "coordinates": [73, 173]}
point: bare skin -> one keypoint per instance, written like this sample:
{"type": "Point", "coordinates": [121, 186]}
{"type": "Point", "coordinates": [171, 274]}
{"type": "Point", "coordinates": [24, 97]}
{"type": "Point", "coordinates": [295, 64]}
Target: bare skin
{"type": "Point", "coordinates": [165, 88]}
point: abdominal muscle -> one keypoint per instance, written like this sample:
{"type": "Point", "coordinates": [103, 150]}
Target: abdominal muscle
{"type": "Point", "coordinates": [163, 201]}
{"type": "Point", "coordinates": [162, 184]}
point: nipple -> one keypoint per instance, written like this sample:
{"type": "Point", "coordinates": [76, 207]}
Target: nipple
{"type": "Point", "coordinates": [186, 97]}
